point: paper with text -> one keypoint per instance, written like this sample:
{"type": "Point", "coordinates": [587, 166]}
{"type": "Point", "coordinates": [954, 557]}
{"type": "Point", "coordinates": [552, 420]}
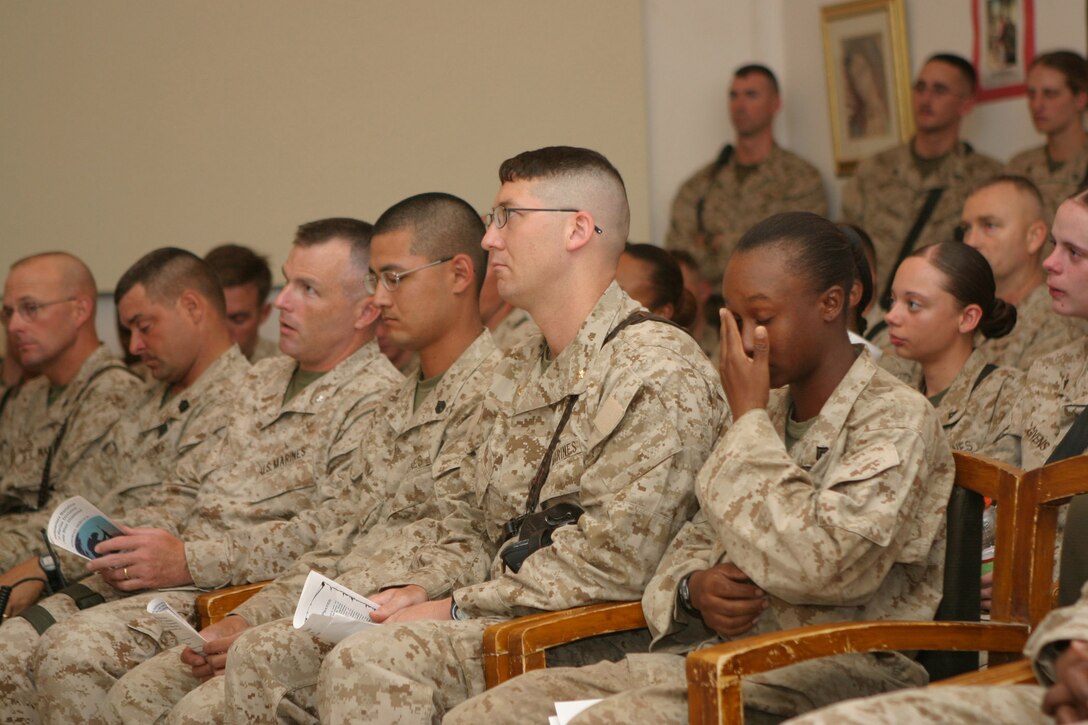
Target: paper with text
{"type": "Point", "coordinates": [77, 526]}
{"type": "Point", "coordinates": [330, 611]}
{"type": "Point", "coordinates": [174, 622]}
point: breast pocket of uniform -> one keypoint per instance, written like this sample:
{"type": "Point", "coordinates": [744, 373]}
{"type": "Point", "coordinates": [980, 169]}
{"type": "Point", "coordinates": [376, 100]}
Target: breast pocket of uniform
{"type": "Point", "coordinates": [864, 493]}
{"type": "Point", "coordinates": [283, 472]}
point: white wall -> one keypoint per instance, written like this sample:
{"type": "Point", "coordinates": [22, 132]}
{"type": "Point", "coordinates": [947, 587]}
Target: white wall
{"type": "Point", "coordinates": [693, 45]}
{"type": "Point", "coordinates": [127, 125]}
{"type": "Point", "coordinates": [692, 48]}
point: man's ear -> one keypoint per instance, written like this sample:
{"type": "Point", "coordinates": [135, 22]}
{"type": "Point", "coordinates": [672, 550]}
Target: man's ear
{"type": "Point", "coordinates": [967, 105]}
{"type": "Point", "coordinates": [368, 313]}
{"type": "Point", "coordinates": [191, 305]}
{"type": "Point", "coordinates": [84, 310]}
{"type": "Point", "coordinates": [464, 273]}
{"type": "Point", "coordinates": [266, 310]}
{"type": "Point", "coordinates": [832, 302]}
{"type": "Point", "coordinates": [1036, 236]}
{"type": "Point", "coordinates": [580, 231]}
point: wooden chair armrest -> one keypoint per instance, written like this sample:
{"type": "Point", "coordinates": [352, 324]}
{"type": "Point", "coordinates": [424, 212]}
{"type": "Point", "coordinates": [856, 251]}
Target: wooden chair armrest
{"type": "Point", "coordinates": [1012, 673]}
{"type": "Point", "coordinates": [213, 606]}
{"type": "Point", "coordinates": [714, 673]}
{"type": "Point", "coordinates": [520, 645]}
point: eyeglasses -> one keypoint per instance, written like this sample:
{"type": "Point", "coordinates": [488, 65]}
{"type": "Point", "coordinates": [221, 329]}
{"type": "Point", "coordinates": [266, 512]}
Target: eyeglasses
{"type": "Point", "coordinates": [28, 310]}
{"type": "Point", "coordinates": [391, 280]}
{"type": "Point", "coordinates": [501, 214]}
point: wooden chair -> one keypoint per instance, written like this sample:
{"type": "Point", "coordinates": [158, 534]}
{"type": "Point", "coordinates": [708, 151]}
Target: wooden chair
{"type": "Point", "coordinates": [520, 645]}
{"type": "Point", "coordinates": [715, 673]}
{"type": "Point", "coordinates": [214, 605]}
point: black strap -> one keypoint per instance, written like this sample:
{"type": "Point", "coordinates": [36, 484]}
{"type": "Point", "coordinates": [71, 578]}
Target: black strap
{"type": "Point", "coordinates": [39, 617]}
{"type": "Point", "coordinates": [44, 487]}
{"type": "Point", "coordinates": [982, 375]}
{"type": "Point", "coordinates": [545, 467]}
{"type": "Point", "coordinates": [84, 597]}
{"type": "Point", "coordinates": [932, 197]}
{"type": "Point", "coordinates": [720, 163]}
{"type": "Point", "coordinates": [1075, 440]}
{"type": "Point", "coordinates": [875, 330]}
{"type": "Point", "coordinates": [635, 318]}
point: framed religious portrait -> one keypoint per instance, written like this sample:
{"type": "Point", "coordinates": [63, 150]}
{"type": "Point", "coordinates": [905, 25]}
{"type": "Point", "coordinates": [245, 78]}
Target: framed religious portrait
{"type": "Point", "coordinates": [868, 78]}
{"type": "Point", "coordinates": [1004, 46]}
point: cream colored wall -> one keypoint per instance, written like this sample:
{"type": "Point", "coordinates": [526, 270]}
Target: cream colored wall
{"type": "Point", "coordinates": [127, 125]}
{"type": "Point", "coordinates": [693, 45]}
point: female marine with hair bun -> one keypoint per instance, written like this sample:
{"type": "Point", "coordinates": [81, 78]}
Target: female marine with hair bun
{"type": "Point", "coordinates": [941, 296]}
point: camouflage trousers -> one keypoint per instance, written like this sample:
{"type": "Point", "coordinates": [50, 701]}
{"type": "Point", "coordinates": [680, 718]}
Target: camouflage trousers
{"type": "Point", "coordinates": [71, 668]}
{"type": "Point", "coordinates": [1018, 704]}
{"type": "Point", "coordinates": [654, 688]}
{"type": "Point", "coordinates": [18, 642]}
{"type": "Point", "coordinates": [407, 673]}
{"type": "Point", "coordinates": [147, 693]}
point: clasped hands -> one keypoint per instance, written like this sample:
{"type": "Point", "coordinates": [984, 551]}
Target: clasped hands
{"type": "Point", "coordinates": [728, 601]}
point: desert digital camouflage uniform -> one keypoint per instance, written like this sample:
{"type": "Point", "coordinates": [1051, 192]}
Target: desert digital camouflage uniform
{"type": "Point", "coordinates": [516, 328]}
{"type": "Point", "coordinates": [1054, 392]}
{"type": "Point", "coordinates": [407, 463]}
{"type": "Point", "coordinates": [276, 481]}
{"type": "Point", "coordinates": [782, 182]}
{"type": "Point", "coordinates": [847, 525]}
{"type": "Point", "coordinates": [143, 451]}
{"type": "Point", "coordinates": [1021, 704]}
{"type": "Point", "coordinates": [150, 447]}
{"type": "Point", "coordinates": [265, 349]}
{"type": "Point", "coordinates": [887, 192]}
{"type": "Point", "coordinates": [649, 407]}
{"type": "Point", "coordinates": [1057, 185]}
{"type": "Point", "coordinates": [100, 394]}
{"type": "Point", "coordinates": [1039, 331]}
{"type": "Point", "coordinates": [973, 412]}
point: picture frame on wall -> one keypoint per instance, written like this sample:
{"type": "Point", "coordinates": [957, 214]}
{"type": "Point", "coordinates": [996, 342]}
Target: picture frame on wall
{"type": "Point", "coordinates": [1004, 45]}
{"type": "Point", "coordinates": [868, 78]}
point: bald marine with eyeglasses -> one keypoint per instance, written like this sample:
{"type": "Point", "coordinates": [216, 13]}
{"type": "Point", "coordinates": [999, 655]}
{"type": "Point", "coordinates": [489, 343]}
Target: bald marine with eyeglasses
{"type": "Point", "coordinates": [54, 427]}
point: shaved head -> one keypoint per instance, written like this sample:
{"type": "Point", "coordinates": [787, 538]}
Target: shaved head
{"type": "Point", "coordinates": [62, 271]}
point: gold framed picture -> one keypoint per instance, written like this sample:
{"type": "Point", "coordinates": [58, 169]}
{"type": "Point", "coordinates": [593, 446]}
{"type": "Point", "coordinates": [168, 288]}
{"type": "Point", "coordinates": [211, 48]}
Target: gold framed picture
{"type": "Point", "coordinates": [868, 78]}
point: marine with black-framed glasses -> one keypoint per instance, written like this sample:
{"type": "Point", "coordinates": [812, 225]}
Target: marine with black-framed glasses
{"type": "Point", "coordinates": [500, 215]}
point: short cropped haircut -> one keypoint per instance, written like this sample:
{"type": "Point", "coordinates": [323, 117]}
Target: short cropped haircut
{"type": "Point", "coordinates": [166, 273]}
{"type": "Point", "coordinates": [555, 162]}
{"type": "Point", "coordinates": [757, 69]}
{"type": "Point", "coordinates": [441, 225]}
{"type": "Point", "coordinates": [961, 64]}
{"type": "Point", "coordinates": [816, 248]}
{"type": "Point", "coordinates": [1070, 64]}
{"type": "Point", "coordinates": [353, 231]}
{"type": "Point", "coordinates": [236, 265]}
{"type": "Point", "coordinates": [1021, 183]}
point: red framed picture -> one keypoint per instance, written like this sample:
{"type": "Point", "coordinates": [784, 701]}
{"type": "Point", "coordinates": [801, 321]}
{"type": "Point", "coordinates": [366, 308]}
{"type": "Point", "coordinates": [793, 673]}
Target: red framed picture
{"type": "Point", "coordinates": [1004, 46]}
